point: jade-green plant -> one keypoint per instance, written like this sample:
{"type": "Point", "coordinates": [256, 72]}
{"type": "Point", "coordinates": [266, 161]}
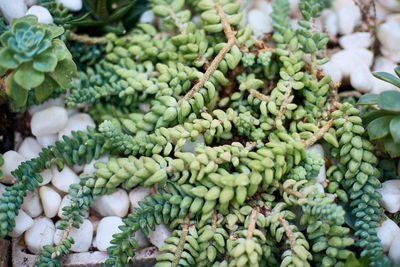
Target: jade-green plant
{"type": "Point", "coordinates": [33, 59]}
{"type": "Point", "coordinates": [383, 117]}
{"type": "Point", "coordinates": [219, 123]}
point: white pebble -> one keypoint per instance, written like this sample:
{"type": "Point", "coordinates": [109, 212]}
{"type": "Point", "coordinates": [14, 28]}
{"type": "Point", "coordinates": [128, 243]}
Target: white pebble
{"type": "Point", "coordinates": [320, 188]}
{"type": "Point", "coordinates": [362, 79]}
{"type": "Point", "coordinates": [30, 148]}
{"type": "Point", "coordinates": [12, 160]}
{"type": "Point", "coordinates": [31, 204]}
{"type": "Point", "coordinates": [355, 40]}
{"type": "Point", "coordinates": [30, 2]}
{"type": "Point", "coordinates": [389, 37]}
{"type": "Point", "coordinates": [47, 140]}
{"type": "Point", "coordinates": [349, 16]}
{"type": "Point", "coordinates": [77, 168]}
{"type": "Point", "coordinates": [62, 180]}
{"type": "Point", "coordinates": [158, 236]}
{"type": "Point", "coordinates": [260, 22]}
{"type": "Point", "coordinates": [42, 13]}
{"type": "Point", "coordinates": [50, 201]}
{"type": "Point", "coordinates": [115, 204]}
{"type": "Point", "coordinates": [386, 233]}
{"type": "Point", "coordinates": [147, 17]}
{"type": "Point", "coordinates": [78, 122]}
{"type": "Point", "coordinates": [390, 192]}
{"type": "Point", "coordinates": [59, 102]}
{"type": "Point", "coordinates": [49, 121]}
{"type": "Point", "coordinates": [137, 194]}
{"type": "Point", "coordinates": [47, 175]}
{"type": "Point", "coordinates": [12, 9]}
{"type": "Point", "coordinates": [392, 5]}
{"type": "Point", "coordinates": [95, 222]}
{"type": "Point", "coordinates": [350, 59]}
{"type": "Point", "coordinates": [331, 24]}
{"type": "Point", "coordinates": [105, 229]}
{"type": "Point", "coordinates": [82, 236]}
{"type": "Point", "coordinates": [66, 201]}
{"type": "Point", "coordinates": [89, 167]}
{"type": "Point", "coordinates": [2, 189]}
{"type": "Point", "coordinates": [73, 5]}
{"type": "Point", "coordinates": [383, 65]}
{"type": "Point", "coordinates": [22, 223]}
{"type": "Point", "coordinates": [331, 69]}
{"type": "Point", "coordinates": [40, 234]}
{"type": "Point", "coordinates": [394, 252]}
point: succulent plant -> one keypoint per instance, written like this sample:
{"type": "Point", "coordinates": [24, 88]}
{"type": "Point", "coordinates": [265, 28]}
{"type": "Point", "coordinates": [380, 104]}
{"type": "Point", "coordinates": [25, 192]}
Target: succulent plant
{"type": "Point", "coordinates": [383, 118]}
{"type": "Point", "coordinates": [32, 58]}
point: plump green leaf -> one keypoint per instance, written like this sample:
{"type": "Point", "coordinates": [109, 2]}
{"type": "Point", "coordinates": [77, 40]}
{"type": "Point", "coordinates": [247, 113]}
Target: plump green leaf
{"type": "Point", "coordinates": [389, 100]}
{"type": "Point", "coordinates": [379, 127]}
{"type": "Point", "coordinates": [395, 129]}
{"type": "Point", "coordinates": [59, 49]}
{"type": "Point", "coordinates": [397, 70]}
{"type": "Point", "coordinates": [45, 62]}
{"type": "Point", "coordinates": [391, 147]}
{"type": "Point", "coordinates": [387, 77]}
{"type": "Point", "coordinates": [30, 19]}
{"type": "Point", "coordinates": [18, 94]}
{"type": "Point", "coordinates": [368, 99]}
{"type": "Point", "coordinates": [64, 72]}
{"type": "Point", "coordinates": [53, 30]}
{"type": "Point", "coordinates": [46, 88]}
{"type": "Point", "coordinates": [372, 115]}
{"type": "Point", "coordinates": [27, 77]}
{"type": "Point", "coordinates": [7, 59]}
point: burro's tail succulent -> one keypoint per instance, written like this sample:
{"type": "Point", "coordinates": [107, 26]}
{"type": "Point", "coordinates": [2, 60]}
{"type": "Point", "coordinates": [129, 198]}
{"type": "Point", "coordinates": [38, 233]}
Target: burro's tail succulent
{"type": "Point", "coordinates": [32, 58]}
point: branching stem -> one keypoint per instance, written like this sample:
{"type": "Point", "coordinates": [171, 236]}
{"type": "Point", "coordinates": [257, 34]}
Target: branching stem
{"type": "Point", "coordinates": [181, 243]}
{"type": "Point", "coordinates": [252, 224]}
{"type": "Point", "coordinates": [319, 134]}
{"type": "Point", "coordinates": [86, 39]}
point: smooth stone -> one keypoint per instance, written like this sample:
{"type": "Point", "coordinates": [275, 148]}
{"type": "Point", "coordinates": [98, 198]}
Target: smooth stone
{"type": "Point", "coordinates": [72, 111]}
{"type": "Point", "coordinates": [320, 188]}
{"type": "Point", "coordinates": [30, 2]}
{"type": "Point", "coordinates": [22, 223]}
{"type": "Point", "coordinates": [78, 122]}
{"type": "Point", "coordinates": [12, 160]}
{"type": "Point", "coordinates": [350, 59]}
{"type": "Point", "coordinates": [82, 236]}
{"type": "Point", "coordinates": [42, 13]}
{"type": "Point", "coordinates": [390, 192]}
{"type": "Point", "coordinates": [89, 167]}
{"type": "Point", "coordinates": [12, 9]}
{"type": "Point", "coordinates": [50, 201]}
{"type": "Point", "coordinates": [62, 180]}
{"type": "Point", "coordinates": [77, 168]}
{"type": "Point", "coordinates": [389, 36]}
{"type": "Point", "coordinates": [137, 194]}
{"type": "Point", "coordinates": [47, 140]}
{"type": "Point", "coordinates": [383, 64]}
{"type": "Point", "coordinates": [72, 5]}
{"type": "Point", "coordinates": [386, 233]}
{"type": "Point", "coordinates": [349, 16]}
{"type": "Point", "coordinates": [115, 204]}
{"type": "Point", "coordinates": [392, 5]}
{"type": "Point", "coordinates": [362, 79]}
{"type": "Point", "coordinates": [105, 229]}
{"type": "Point", "coordinates": [32, 205]}
{"type": "Point", "coordinates": [331, 23]}
{"type": "Point", "coordinates": [59, 102]}
{"type": "Point", "coordinates": [29, 148]}
{"type": "Point", "coordinates": [47, 175]}
{"type": "Point", "coordinates": [394, 252]}
{"type": "Point", "coordinates": [158, 236]}
{"type": "Point", "coordinates": [66, 201]}
{"type": "Point", "coordinates": [95, 222]}
{"type": "Point", "coordinates": [40, 234]}
{"type": "Point", "coordinates": [355, 40]}
{"type": "Point", "coordinates": [259, 21]}
{"type": "Point", "coordinates": [147, 17]}
{"type": "Point", "coordinates": [49, 121]}
{"type": "Point", "coordinates": [331, 69]}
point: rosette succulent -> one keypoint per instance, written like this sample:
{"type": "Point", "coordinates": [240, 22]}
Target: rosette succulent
{"type": "Point", "coordinates": [383, 117]}
{"type": "Point", "coordinates": [32, 58]}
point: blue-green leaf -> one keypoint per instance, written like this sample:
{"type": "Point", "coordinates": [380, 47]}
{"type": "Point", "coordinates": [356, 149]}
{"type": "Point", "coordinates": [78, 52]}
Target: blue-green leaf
{"type": "Point", "coordinates": [379, 127]}
{"type": "Point", "coordinates": [368, 99]}
{"type": "Point", "coordinates": [387, 77]}
{"type": "Point", "coordinates": [395, 129]}
{"type": "Point", "coordinates": [389, 100]}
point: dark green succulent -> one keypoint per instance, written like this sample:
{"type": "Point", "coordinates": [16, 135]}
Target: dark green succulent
{"type": "Point", "coordinates": [32, 58]}
{"type": "Point", "coordinates": [383, 118]}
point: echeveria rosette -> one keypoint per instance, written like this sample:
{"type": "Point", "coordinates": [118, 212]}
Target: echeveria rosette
{"type": "Point", "coordinates": [34, 59]}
